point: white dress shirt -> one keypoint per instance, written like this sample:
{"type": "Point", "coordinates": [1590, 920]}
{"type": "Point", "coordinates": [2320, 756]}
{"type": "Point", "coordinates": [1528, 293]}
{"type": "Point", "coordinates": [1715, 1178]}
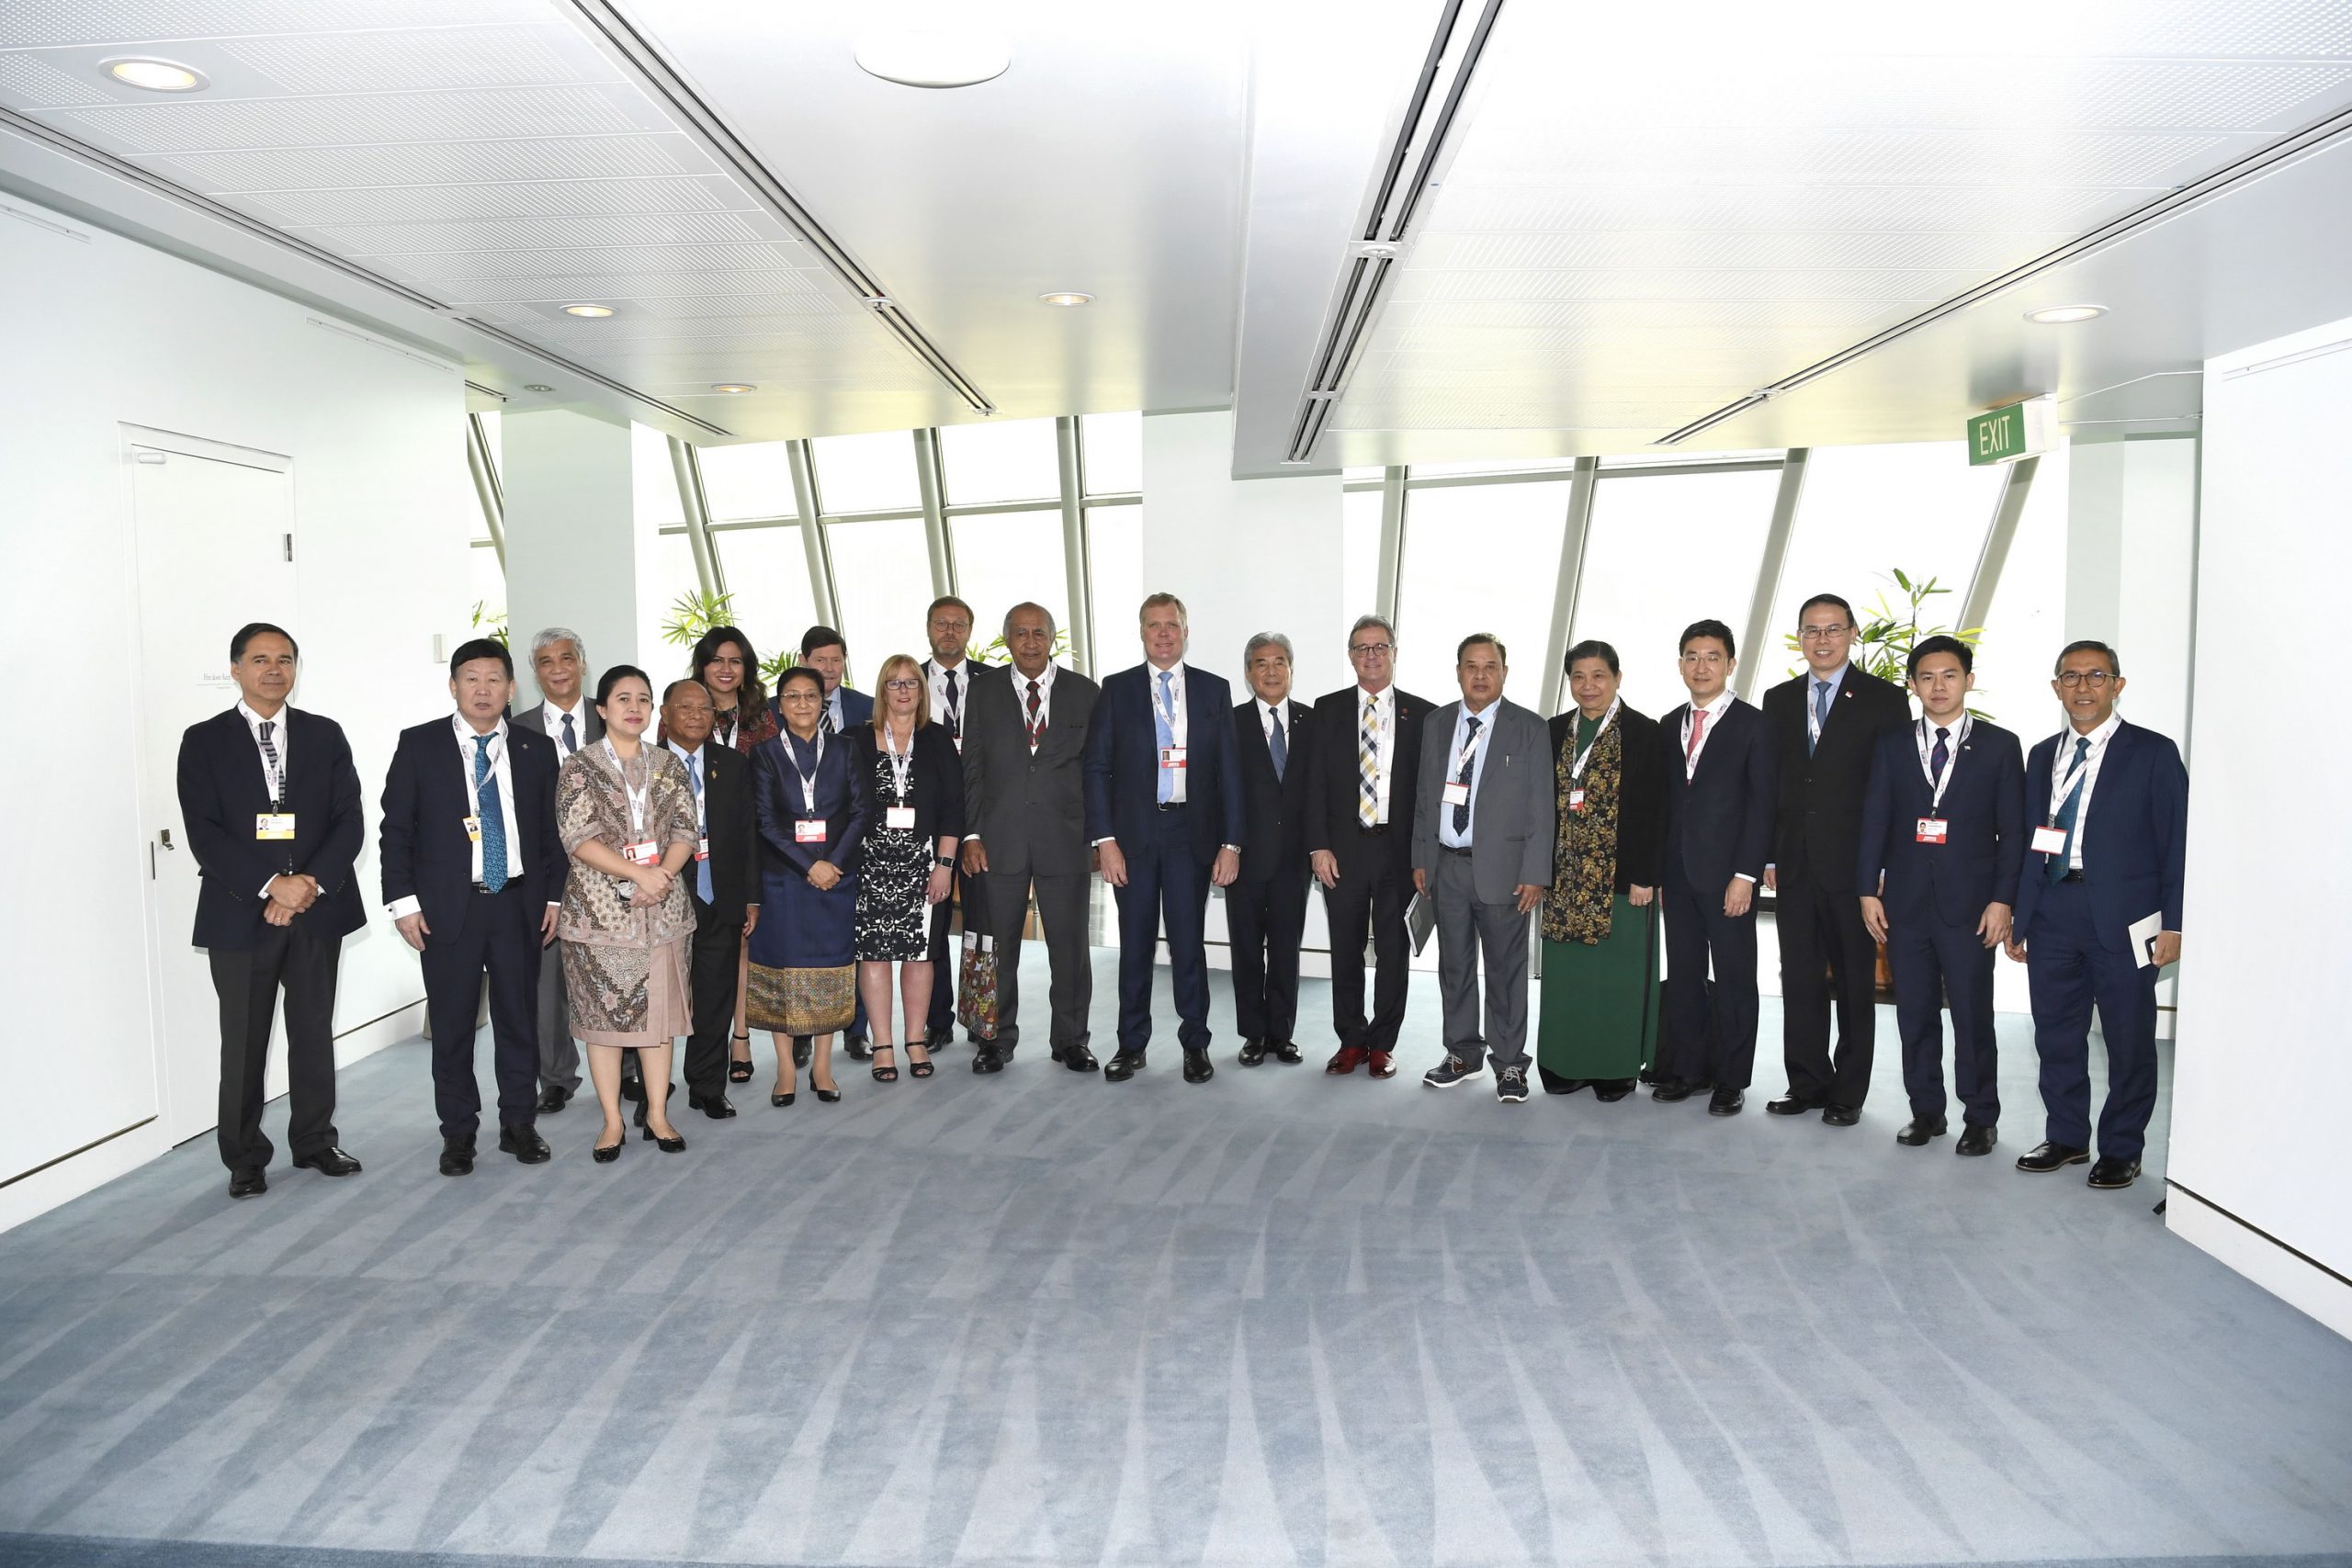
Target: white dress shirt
{"type": "Point", "coordinates": [555, 716]}
{"type": "Point", "coordinates": [501, 772]}
{"type": "Point", "coordinates": [1384, 768]}
{"type": "Point", "coordinates": [1475, 746]}
{"type": "Point", "coordinates": [1837, 679]}
{"type": "Point", "coordinates": [2087, 773]}
{"type": "Point", "coordinates": [1714, 712]}
{"type": "Point", "coordinates": [1179, 722]}
{"type": "Point", "coordinates": [1021, 706]}
{"type": "Point", "coordinates": [937, 674]}
{"type": "Point", "coordinates": [271, 781]}
{"type": "Point", "coordinates": [1271, 713]}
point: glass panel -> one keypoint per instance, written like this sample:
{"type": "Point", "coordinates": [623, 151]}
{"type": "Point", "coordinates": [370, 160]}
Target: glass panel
{"type": "Point", "coordinates": [1113, 443]}
{"type": "Point", "coordinates": [1005, 558]}
{"type": "Point", "coordinates": [653, 484]}
{"type": "Point", "coordinates": [1486, 466]}
{"type": "Point", "coordinates": [1678, 457]}
{"type": "Point", "coordinates": [1867, 512]}
{"type": "Point", "coordinates": [1115, 557]}
{"type": "Point", "coordinates": [491, 423]}
{"type": "Point", "coordinates": [1664, 551]}
{"type": "Point", "coordinates": [751, 480]}
{"type": "Point", "coordinates": [767, 576]}
{"type": "Point", "coordinates": [866, 473]}
{"type": "Point", "coordinates": [1359, 557]}
{"type": "Point", "coordinates": [488, 601]}
{"type": "Point", "coordinates": [672, 565]}
{"type": "Point", "coordinates": [1481, 557]}
{"type": "Point", "coordinates": [1003, 460]}
{"type": "Point", "coordinates": [882, 573]}
{"type": "Point", "coordinates": [2026, 624]}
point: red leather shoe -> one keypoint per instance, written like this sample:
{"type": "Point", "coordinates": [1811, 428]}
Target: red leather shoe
{"type": "Point", "coordinates": [1346, 1060]}
{"type": "Point", "coordinates": [1382, 1066]}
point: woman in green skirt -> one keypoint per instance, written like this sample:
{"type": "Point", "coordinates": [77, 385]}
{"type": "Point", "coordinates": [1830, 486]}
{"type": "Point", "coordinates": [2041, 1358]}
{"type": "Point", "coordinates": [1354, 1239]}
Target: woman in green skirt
{"type": "Point", "coordinates": [1599, 1022]}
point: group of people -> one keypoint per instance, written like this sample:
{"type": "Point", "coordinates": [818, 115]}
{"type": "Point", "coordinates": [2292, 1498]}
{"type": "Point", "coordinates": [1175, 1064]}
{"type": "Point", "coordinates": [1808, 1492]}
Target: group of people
{"type": "Point", "coordinates": [710, 858]}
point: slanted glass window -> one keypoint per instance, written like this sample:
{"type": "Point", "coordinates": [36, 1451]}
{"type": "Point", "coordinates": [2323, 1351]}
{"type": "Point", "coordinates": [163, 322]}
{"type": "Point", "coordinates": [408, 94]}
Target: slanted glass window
{"type": "Point", "coordinates": [2026, 624]}
{"type": "Point", "coordinates": [1477, 558]}
{"type": "Point", "coordinates": [1113, 447]}
{"type": "Point", "coordinates": [1115, 552]}
{"type": "Point", "coordinates": [1004, 557]}
{"type": "Point", "coordinates": [865, 473]}
{"type": "Point", "coordinates": [1359, 560]}
{"type": "Point", "coordinates": [751, 480]}
{"type": "Point", "coordinates": [1001, 460]}
{"type": "Point", "coordinates": [882, 574]}
{"type": "Point", "coordinates": [767, 577]}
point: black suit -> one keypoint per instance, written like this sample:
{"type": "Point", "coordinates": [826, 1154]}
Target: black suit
{"type": "Point", "coordinates": [1718, 825]}
{"type": "Point", "coordinates": [222, 789]}
{"type": "Point", "coordinates": [426, 855]}
{"type": "Point", "coordinates": [1814, 910]}
{"type": "Point", "coordinates": [716, 953]}
{"type": "Point", "coordinates": [1265, 909]}
{"type": "Point", "coordinates": [1376, 864]}
{"type": "Point", "coordinates": [942, 1021]}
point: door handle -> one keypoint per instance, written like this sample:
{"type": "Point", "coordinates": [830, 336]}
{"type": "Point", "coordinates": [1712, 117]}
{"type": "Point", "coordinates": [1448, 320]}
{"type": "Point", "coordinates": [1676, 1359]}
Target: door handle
{"type": "Point", "coordinates": [165, 838]}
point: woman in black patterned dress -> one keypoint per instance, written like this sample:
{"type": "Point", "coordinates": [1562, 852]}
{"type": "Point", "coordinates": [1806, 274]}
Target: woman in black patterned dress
{"type": "Point", "coordinates": [914, 812]}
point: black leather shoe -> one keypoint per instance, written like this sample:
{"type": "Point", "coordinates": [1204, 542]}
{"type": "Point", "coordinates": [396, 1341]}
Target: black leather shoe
{"type": "Point", "coordinates": [1555, 1084]}
{"type": "Point", "coordinates": [1608, 1091]}
{"type": "Point", "coordinates": [1920, 1130]}
{"type": "Point", "coordinates": [1976, 1140]}
{"type": "Point", "coordinates": [858, 1049]}
{"type": "Point", "coordinates": [1726, 1101]}
{"type": "Point", "coordinates": [2113, 1174]}
{"type": "Point", "coordinates": [939, 1039]}
{"type": "Point", "coordinates": [1790, 1105]}
{"type": "Point", "coordinates": [801, 1046]}
{"type": "Point", "coordinates": [987, 1059]}
{"type": "Point", "coordinates": [715, 1107]}
{"type": "Point", "coordinates": [1253, 1053]}
{"type": "Point", "coordinates": [1198, 1069]}
{"type": "Point", "coordinates": [247, 1181]}
{"type": "Point", "coordinates": [457, 1157]}
{"type": "Point", "coordinates": [553, 1100]}
{"type": "Point", "coordinates": [525, 1144]}
{"type": "Point", "coordinates": [1840, 1116]}
{"type": "Point", "coordinates": [328, 1161]}
{"type": "Point", "coordinates": [2046, 1158]}
{"type": "Point", "coordinates": [1079, 1059]}
{"type": "Point", "coordinates": [632, 1088]}
{"type": "Point", "coordinates": [1287, 1053]}
{"type": "Point", "coordinates": [1123, 1066]}
{"type": "Point", "coordinates": [1670, 1091]}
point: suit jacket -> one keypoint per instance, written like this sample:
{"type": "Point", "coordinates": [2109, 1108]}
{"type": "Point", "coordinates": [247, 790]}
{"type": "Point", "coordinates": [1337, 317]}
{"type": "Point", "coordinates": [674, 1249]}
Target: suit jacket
{"type": "Point", "coordinates": [1511, 804]}
{"type": "Point", "coordinates": [934, 779]}
{"type": "Point", "coordinates": [778, 803]}
{"type": "Point", "coordinates": [423, 852]}
{"type": "Point", "coordinates": [1332, 786]}
{"type": "Point", "coordinates": [222, 789]}
{"type": "Point", "coordinates": [1821, 795]}
{"type": "Point", "coordinates": [1123, 762]}
{"type": "Point", "coordinates": [734, 829]}
{"type": "Point", "coordinates": [1274, 810]}
{"type": "Point", "coordinates": [1983, 813]}
{"type": "Point", "coordinates": [857, 707]}
{"type": "Point", "coordinates": [535, 719]}
{"type": "Point", "coordinates": [1719, 822]}
{"type": "Point", "coordinates": [1029, 810]}
{"type": "Point", "coordinates": [1641, 794]}
{"type": "Point", "coordinates": [2134, 835]}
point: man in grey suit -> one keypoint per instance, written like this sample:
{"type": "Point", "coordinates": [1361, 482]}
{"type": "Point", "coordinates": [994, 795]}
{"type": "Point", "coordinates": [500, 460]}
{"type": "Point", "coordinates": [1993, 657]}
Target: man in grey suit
{"type": "Point", "coordinates": [1024, 810]}
{"type": "Point", "coordinates": [559, 664]}
{"type": "Point", "coordinates": [1482, 849]}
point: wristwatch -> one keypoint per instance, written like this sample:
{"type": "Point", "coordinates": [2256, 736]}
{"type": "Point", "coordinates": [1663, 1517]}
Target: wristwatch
{"type": "Point", "coordinates": [945, 862]}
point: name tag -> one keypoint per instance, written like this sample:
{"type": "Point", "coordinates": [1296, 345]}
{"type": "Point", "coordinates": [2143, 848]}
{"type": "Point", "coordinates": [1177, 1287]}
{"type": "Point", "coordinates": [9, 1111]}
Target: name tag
{"type": "Point", "coordinates": [274, 825]}
{"type": "Point", "coordinates": [1932, 830]}
{"type": "Point", "coordinates": [474, 829]}
{"type": "Point", "coordinates": [644, 853]}
{"type": "Point", "coordinates": [702, 847]}
{"type": "Point", "coordinates": [1576, 800]}
{"type": "Point", "coordinates": [1457, 794]}
{"type": "Point", "coordinates": [808, 830]}
{"type": "Point", "coordinates": [2049, 840]}
{"type": "Point", "coordinates": [899, 818]}
{"type": "Point", "coordinates": [1171, 756]}
{"type": "Point", "coordinates": [959, 743]}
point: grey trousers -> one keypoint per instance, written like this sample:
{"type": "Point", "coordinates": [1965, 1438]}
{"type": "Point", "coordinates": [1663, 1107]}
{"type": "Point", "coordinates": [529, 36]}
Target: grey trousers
{"type": "Point", "coordinates": [1467, 930]}
{"type": "Point", "coordinates": [1062, 911]}
{"type": "Point", "coordinates": [559, 1052]}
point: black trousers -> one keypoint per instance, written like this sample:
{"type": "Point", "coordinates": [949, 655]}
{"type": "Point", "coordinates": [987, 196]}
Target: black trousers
{"type": "Point", "coordinates": [1709, 1033]}
{"type": "Point", "coordinates": [247, 984]}
{"type": "Point", "coordinates": [945, 957]}
{"type": "Point", "coordinates": [1266, 921]}
{"type": "Point", "coordinates": [1369, 902]}
{"type": "Point", "coordinates": [499, 936]}
{"type": "Point", "coordinates": [713, 954]}
{"type": "Point", "coordinates": [1821, 934]}
{"type": "Point", "coordinates": [1932, 961]}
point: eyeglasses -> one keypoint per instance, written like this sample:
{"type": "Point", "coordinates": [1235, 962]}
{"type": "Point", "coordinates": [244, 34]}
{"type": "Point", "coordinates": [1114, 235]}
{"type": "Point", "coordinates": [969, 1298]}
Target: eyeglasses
{"type": "Point", "coordinates": [800, 696]}
{"type": "Point", "coordinates": [1820, 634]}
{"type": "Point", "coordinates": [902, 685]}
{"type": "Point", "coordinates": [2094, 679]}
{"type": "Point", "coordinates": [1364, 647]}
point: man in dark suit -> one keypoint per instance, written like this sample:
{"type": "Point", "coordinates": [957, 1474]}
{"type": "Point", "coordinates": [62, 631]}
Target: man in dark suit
{"type": "Point", "coordinates": [1827, 722]}
{"type": "Point", "coordinates": [1944, 832]}
{"type": "Point", "coordinates": [1363, 771]}
{"type": "Point", "coordinates": [1163, 808]}
{"type": "Point", "coordinates": [473, 872]}
{"type": "Point", "coordinates": [1024, 816]}
{"type": "Point", "coordinates": [723, 883]}
{"type": "Point", "coordinates": [2099, 913]}
{"type": "Point", "coordinates": [560, 665]}
{"type": "Point", "coordinates": [1265, 909]}
{"type": "Point", "coordinates": [270, 805]}
{"type": "Point", "coordinates": [947, 626]}
{"type": "Point", "coordinates": [1720, 777]}
{"type": "Point", "coordinates": [846, 707]}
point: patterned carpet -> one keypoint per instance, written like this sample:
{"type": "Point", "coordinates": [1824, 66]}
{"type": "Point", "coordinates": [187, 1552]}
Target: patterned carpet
{"type": "Point", "coordinates": [1276, 1319]}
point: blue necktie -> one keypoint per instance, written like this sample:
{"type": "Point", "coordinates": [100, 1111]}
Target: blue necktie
{"type": "Point", "coordinates": [1820, 715]}
{"type": "Point", "coordinates": [494, 818]}
{"type": "Point", "coordinates": [702, 866]}
{"type": "Point", "coordinates": [2069, 811]}
{"type": "Point", "coordinates": [1469, 763]}
{"type": "Point", "coordinates": [571, 740]}
{"type": "Point", "coordinates": [1166, 733]}
{"type": "Point", "coordinates": [1279, 746]}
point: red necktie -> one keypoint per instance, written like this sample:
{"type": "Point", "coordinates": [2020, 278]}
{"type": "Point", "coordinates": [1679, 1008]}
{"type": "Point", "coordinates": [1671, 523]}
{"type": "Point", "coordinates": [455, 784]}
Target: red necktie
{"type": "Point", "coordinates": [1698, 728]}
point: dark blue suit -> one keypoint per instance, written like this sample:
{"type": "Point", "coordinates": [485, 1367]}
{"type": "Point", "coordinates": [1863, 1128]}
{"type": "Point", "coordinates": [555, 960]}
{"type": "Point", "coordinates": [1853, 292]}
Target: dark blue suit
{"type": "Point", "coordinates": [1935, 894]}
{"type": "Point", "coordinates": [1718, 825]}
{"type": "Point", "coordinates": [1169, 852]}
{"type": "Point", "coordinates": [2079, 952]}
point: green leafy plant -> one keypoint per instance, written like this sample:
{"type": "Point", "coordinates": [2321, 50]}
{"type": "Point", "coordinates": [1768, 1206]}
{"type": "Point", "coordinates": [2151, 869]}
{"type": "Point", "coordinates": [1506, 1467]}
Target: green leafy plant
{"type": "Point", "coordinates": [1888, 632]}
{"type": "Point", "coordinates": [491, 625]}
{"type": "Point", "coordinates": [695, 613]}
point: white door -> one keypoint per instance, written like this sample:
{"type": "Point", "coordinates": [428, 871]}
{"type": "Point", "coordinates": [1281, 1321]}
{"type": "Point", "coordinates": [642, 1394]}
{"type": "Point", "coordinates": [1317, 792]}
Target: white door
{"type": "Point", "coordinates": [214, 542]}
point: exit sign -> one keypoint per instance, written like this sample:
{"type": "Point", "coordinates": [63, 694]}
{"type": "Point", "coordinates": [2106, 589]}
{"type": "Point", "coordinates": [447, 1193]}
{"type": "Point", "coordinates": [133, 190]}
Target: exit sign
{"type": "Point", "coordinates": [2021, 429]}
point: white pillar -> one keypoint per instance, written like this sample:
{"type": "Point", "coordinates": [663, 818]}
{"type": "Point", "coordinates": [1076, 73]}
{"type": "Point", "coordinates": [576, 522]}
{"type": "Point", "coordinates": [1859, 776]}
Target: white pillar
{"type": "Point", "coordinates": [572, 539]}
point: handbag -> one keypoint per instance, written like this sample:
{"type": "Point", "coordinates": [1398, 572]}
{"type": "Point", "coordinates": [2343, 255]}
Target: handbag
{"type": "Point", "coordinates": [975, 987]}
{"type": "Point", "coordinates": [801, 1001]}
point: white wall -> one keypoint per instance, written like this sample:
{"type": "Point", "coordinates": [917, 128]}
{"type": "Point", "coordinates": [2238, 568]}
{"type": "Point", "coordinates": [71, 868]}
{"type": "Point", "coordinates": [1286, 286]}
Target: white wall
{"type": "Point", "coordinates": [2262, 1069]}
{"type": "Point", "coordinates": [572, 539]}
{"type": "Point", "coordinates": [105, 332]}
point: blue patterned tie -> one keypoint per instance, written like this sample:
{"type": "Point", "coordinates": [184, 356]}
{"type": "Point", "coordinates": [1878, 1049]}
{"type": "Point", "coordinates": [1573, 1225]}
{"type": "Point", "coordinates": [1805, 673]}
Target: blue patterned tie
{"type": "Point", "coordinates": [1820, 716]}
{"type": "Point", "coordinates": [1941, 755]}
{"type": "Point", "coordinates": [1279, 746]}
{"type": "Point", "coordinates": [494, 818]}
{"type": "Point", "coordinates": [702, 866]}
{"type": "Point", "coordinates": [2069, 811]}
{"type": "Point", "coordinates": [1166, 733]}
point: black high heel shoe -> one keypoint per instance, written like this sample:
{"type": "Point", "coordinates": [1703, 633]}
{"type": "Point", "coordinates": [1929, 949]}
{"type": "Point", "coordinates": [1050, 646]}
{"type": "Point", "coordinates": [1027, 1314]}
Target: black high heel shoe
{"type": "Point", "coordinates": [828, 1095]}
{"type": "Point", "coordinates": [738, 1070]}
{"type": "Point", "coordinates": [667, 1145]}
{"type": "Point", "coordinates": [781, 1100]}
{"type": "Point", "coordinates": [923, 1068]}
{"type": "Point", "coordinates": [607, 1153]}
{"type": "Point", "coordinates": [884, 1075]}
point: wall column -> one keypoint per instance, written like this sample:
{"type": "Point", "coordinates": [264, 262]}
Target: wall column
{"type": "Point", "coordinates": [572, 539]}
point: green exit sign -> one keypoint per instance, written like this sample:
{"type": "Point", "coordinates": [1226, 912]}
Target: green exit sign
{"type": "Point", "coordinates": [2021, 429]}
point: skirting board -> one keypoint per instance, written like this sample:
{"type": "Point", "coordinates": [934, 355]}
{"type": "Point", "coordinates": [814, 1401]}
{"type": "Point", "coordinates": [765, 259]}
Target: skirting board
{"type": "Point", "coordinates": [2308, 1287]}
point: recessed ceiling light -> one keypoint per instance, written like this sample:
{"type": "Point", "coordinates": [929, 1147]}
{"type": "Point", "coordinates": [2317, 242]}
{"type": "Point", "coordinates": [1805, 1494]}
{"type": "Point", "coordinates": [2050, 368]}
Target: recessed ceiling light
{"type": "Point", "coordinates": [922, 52]}
{"type": "Point", "coordinates": [155, 75]}
{"type": "Point", "coordinates": [591, 311]}
{"type": "Point", "coordinates": [732, 387]}
{"type": "Point", "coordinates": [2060, 315]}
{"type": "Point", "coordinates": [1066, 296]}
{"type": "Point", "coordinates": [536, 387]}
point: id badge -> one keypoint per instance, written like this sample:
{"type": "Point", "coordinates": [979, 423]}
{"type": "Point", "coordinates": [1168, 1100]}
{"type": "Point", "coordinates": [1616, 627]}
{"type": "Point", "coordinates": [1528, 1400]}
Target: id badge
{"type": "Point", "coordinates": [702, 847]}
{"type": "Point", "coordinates": [274, 825]}
{"type": "Point", "coordinates": [1932, 830]}
{"type": "Point", "coordinates": [959, 744]}
{"type": "Point", "coordinates": [644, 853]}
{"type": "Point", "coordinates": [1171, 756]}
{"type": "Point", "coordinates": [808, 830]}
{"type": "Point", "coordinates": [1576, 800]}
{"type": "Point", "coordinates": [899, 818]}
{"type": "Point", "coordinates": [1457, 794]}
{"type": "Point", "coordinates": [474, 829]}
{"type": "Point", "coordinates": [2049, 840]}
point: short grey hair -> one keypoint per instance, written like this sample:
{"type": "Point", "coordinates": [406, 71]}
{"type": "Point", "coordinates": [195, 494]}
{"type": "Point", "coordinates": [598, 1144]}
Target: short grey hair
{"type": "Point", "coordinates": [1364, 621]}
{"type": "Point", "coordinates": [1269, 639]}
{"type": "Point", "coordinates": [1052, 631]}
{"type": "Point", "coordinates": [550, 636]}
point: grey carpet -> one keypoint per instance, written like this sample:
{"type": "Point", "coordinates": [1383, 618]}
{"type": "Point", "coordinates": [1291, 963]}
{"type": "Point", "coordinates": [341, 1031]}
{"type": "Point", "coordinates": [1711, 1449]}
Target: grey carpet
{"type": "Point", "coordinates": [1276, 1319]}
